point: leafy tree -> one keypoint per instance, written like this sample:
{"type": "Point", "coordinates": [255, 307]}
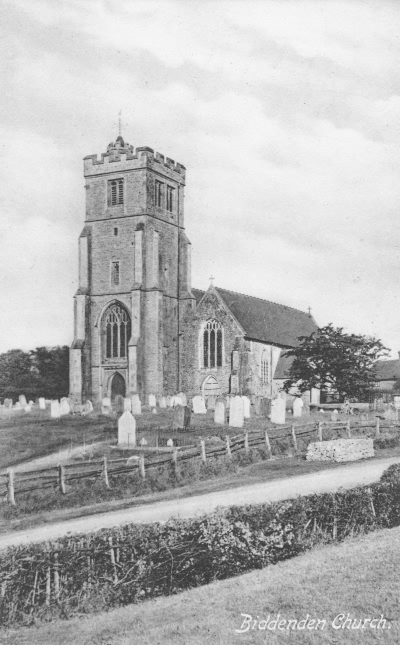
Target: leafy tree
{"type": "Point", "coordinates": [52, 367]}
{"type": "Point", "coordinates": [331, 359]}
{"type": "Point", "coordinates": [40, 372]}
{"type": "Point", "coordinates": [17, 374]}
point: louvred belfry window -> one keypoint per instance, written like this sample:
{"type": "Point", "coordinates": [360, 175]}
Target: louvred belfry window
{"type": "Point", "coordinates": [118, 331]}
{"type": "Point", "coordinates": [212, 344]}
{"type": "Point", "coordinates": [116, 192]}
{"type": "Point", "coordinates": [265, 367]}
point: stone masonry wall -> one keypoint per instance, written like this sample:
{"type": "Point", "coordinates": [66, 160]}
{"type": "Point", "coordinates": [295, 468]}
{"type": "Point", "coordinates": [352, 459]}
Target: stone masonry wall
{"type": "Point", "coordinates": [340, 450]}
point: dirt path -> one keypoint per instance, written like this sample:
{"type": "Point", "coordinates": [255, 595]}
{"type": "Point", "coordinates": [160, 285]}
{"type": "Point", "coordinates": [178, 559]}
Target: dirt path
{"type": "Point", "coordinates": [346, 476]}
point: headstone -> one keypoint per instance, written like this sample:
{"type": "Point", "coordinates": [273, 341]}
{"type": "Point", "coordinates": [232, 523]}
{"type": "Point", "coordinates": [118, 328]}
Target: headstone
{"type": "Point", "coordinates": [88, 407]}
{"type": "Point", "coordinates": [219, 413]}
{"type": "Point", "coordinates": [136, 406]}
{"type": "Point", "coordinates": [179, 417]}
{"type": "Point", "coordinates": [265, 407]}
{"type": "Point", "coordinates": [127, 429]}
{"type": "Point", "coordinates": [55, 411]}
{"type": "Point", "coordinates": [154, 411]}
{"type": "Point", "coordinates": [297, 407]}
{"type": "Point", "coordinates": [163, 402]}
{"type": "Point", "coordinates": [119, 403]}
{"type": "Point", "coordinates": [105, 405]}
{"type": "Point", "coordinates": [64, 406]}
{"type": "Point", "coordinates": [18, 406]}
{"type": "Point", "coordinates": [169, 401]}
{"type": "Point", "coordinates": [42, 403]}
{"type": "Point", "coordinates": [334, 415]}
{"type": "Point", "coordinates": [183, 398]}
{"type": "Point", "coordinates": [278, 411]}
{"type": "Point", "coordinates": [143, 442]}
{"type": "Point", "coordinates": [396, 401]}
{"type": "Point", "coordinates": [188, 416]}
{"type": "Point", "coordinates": [22, 400]}
{"type": "Point", "coordinates": [198, 405]}
{"type": "Point", "coordinates": [246, 407]}
{"type": "Point", "coordinates": [176, 400]}
{"type": "Point", "coordinates": [211, 401]}
{"type": "Point", "coordinates": [127, 404]}
{"type": "Point", "coordinates": [227, 402]}
{"type": "Point", "coordinates": [170, 443]}
{"type": "Point", "coordinates": [28, 408]}
{"type": "Point", "coordinates": [152, 401]}
{"type": "Point", "coordinates": [8, 404]}
{"type": "Point", "coordinates": [236, 412]}
{"type": "Point", "coordinates": [31, 403]}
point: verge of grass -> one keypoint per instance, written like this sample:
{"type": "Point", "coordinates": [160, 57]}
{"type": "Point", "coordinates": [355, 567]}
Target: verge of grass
{"type": "Point", "coordinates": [358, 577]}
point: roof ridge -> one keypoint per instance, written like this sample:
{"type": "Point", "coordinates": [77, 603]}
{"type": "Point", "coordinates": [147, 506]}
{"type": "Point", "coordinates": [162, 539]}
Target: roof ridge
{"type": "Point", "coordinates": [262, 299]}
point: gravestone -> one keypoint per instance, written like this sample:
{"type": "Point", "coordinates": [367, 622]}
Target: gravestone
{"type": "Point", "coordinates": [297, 407]}
{"type": "Point", "coordinates": [31, 403]}
{"type": "Point", "coordinates": [183, 398]}
{"type": "Point", "coordinates": [169, 401]}
{"type": "Point", "coordinates": [163, 403]}
{"type": "Point", "coordinates": [246, 407]}
{"type": "Point", "coordinates": [334, 415]}
{"type": "Point", "coordinates": [219, 413]}
{"type": "Point", "coordinates": [179, 418]}
{"type": "Point", "coordinates": [396, 401]}
{"type": "Point", "coordinates": [119, 403]}
{"type": "Point", "coordinates": [211, 401]}
{"type": "Point", "coordinates": [42, 403]}
{"type": "Point", "coordinates": [176, 400]}
{"type": "Point", "coordinates": [198, 405]}
{"type": "Point", "coordinates": [152, 401]}
{"type": "Point", "coordinates": [127, 429]}
{"type": "Point", "coordinates": [154, 411]}
{"type": "Point", "coordinates": [88, 407]}
{"type": "Point", "coordinates": [136, 405]}
{"type": "Point", "coordinates": [143, 442]}
{"type": "Point", "coordinates": [64, 406]}
{"type": "Point", "coordinates": [188, 416]}
{"type": "Point", "coordinates": [236, 412]}
{"type": "Point", "coordinates": [127, 404]}
{"type": "Point", "coordinates": [8, 404]}
{"type": "Point", "coordinates": [265, 407]}
{"type": "Point", "coordinates": [227, 402]}
{"type": "Point", "coordinates": [22, 400]}
{"type": "Point", "coordinates": [17, 406]}
{"type": "Point", "coordinates": [170, 443]}
{"type": "Point", "coordinates": [278, 411]}
{"type": "Point", "coordinates": [55, 411]}
{"type": "Point", "coordinates": [28, 408]}
{"type": "Point", "coordinates": [105, 405]}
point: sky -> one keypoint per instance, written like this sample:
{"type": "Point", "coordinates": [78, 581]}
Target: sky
{"type": "Point", "coordinates": [285, 114]}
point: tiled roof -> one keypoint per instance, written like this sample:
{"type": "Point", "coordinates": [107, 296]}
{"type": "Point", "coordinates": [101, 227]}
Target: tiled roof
{"type": "Point", "coordinates": [267, 321]}
{"type": "Point", "coordinates": [387, 370]}
{"type": "Point", "coordinates": [198, 295]}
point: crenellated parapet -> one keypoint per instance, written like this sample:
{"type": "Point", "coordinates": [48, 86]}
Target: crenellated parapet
{"type": "Point", "coordinates": [121, 155]}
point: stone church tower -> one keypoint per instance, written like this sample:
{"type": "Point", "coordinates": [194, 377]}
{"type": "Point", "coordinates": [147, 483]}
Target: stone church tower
{"type": "Point", "coordinates": [134, 276]}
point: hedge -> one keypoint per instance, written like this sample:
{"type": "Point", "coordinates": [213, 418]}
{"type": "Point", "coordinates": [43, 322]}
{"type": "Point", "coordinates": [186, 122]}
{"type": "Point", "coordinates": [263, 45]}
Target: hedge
{"type": "Point", "coordinates": [130, 564]}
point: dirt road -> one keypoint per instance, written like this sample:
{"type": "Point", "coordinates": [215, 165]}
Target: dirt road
{"type": "Point", "coordinates": [347, 476]}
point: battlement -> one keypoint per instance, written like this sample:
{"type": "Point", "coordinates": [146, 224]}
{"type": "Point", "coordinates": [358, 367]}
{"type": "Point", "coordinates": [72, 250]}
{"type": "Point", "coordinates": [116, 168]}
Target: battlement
{"type": "Point", "coordinates": [125, 156]}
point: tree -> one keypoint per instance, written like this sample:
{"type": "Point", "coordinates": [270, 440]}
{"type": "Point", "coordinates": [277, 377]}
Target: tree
{"type": "Point", "coordinates": [331, 359]}
{"type": "Point", "coordinates": [52, 367]}
{"type": "Point", "coordinates": [43, 371]}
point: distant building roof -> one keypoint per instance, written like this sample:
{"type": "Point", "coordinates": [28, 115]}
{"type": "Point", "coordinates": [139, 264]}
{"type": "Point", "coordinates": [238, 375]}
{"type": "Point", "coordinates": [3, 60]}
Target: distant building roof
{"type": "Point", "coordinates": [387, 370]}
{"type": "Point", "coordinates": [264, 320]}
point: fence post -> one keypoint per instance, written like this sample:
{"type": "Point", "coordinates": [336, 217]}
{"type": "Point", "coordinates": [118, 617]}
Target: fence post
{"type": "Point", "coordinates": [142, 471]}
{"type": "Point", "coordinates": [377, 431]}
{"type": "Point", "coordinates": [48, 583]}
{"type": "Point", "coordinates": [105, 472]}
{"type": "Point", "coordinates": [203, 450]}
{"type": "Point", "coordinates": [246, 442]}
{"type": "Point", "coordinates": [320, 430]}
{"type": "Point", "coordinates": [56, 576]}
{"type": "Point", "coordinates": [61, 478]}
{"type": "Point", "coordinates": [267, 443]}
{"type": "Point", "coordinates": [175, 457]}
{"type": "Point", "coordinates": [10, 487]}
{"type": "Point", "coordinates": [348, 429]}
{"type": "Point", "coordinates": [228, 447]}
{"type": "Point", "coordinates": [294, 437]}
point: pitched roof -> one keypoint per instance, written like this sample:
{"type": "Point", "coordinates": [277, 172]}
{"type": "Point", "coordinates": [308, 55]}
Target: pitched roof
{"type": "Point", "coordinates": [198, 294]}
{"type": "Point", "coordinates": [387, 370]}
{"type": "Point", "coordinates": [267, 321]}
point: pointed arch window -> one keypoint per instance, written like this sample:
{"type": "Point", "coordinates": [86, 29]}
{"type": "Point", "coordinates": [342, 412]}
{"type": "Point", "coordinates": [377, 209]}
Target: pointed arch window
{"type": "Point", "coordinates": [117, 332]}
{"type": "Point", "coordinates": [212, 344]}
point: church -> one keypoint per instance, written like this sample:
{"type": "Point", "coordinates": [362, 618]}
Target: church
{"type": "Point", "coordinates": [139, 326]}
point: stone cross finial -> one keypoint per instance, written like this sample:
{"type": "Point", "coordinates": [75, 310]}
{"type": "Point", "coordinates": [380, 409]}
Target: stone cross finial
{"type": "Point", "coordinates": [211, 280]}
{"type": "Point", "coordinates": [309, 311]}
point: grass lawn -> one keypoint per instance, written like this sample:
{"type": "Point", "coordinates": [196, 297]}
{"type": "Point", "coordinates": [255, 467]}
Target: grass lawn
{"type": "Point", "coordinates": [358, 577]}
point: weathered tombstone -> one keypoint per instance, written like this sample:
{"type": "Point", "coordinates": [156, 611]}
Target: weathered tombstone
{"type": "Point", "coordinates": [179, 418]}
{"type": "Point", "coordinates": [28, 408]}
{"type": "Point", "coordinates": [334, 415]}
{"type": "Point", "coordinates": [198, 405]}
{"type": "Point", "coordinates": [88, 407]}
{"type": "Point", "coordinates": [55, 411]}
{"type": "Point", "coordinates": [31, 403]}
{"type": "Point", "coordinates": [127, 429]}
{"type": "Point", "coordinates": [219, 413]}
{"type": "Point", "coordinates": [246, 407]}
{"type": "Point", "coordinates": [163, 402]}
{"type": "Point", "coordinates": [105, 405]}
{"type": "Point", "coordinates": [154, 411]}
{"type": "Point", "coordinates": [176, 400]}
{"type": "Point", "coordinates": [170, 443]}
{"type": "Point", "coordinates": [236, 412]}
{"type": "Point", "coordinates": [8, 403]}
{"type": "Point", "coordinates": [17, 406]}
{"type": "Point", "coordinates": [127, 404]}
{"type": "Point", "coordinates": [211, 401]}
{"type": "Point", "coordinates": [297, 407]}
{"type": "Point", "coordinates": [396, 401]}
{"type": "Point", "coordinates": [136, 406]}
{"type": "Point", "coordinates": [64, 406]}
{"type": "Point", "coordinates": [278, 410]}
{"type": "Point", "coordinates": [42, 403]}
{"type": "Point", "coordinates": [183, 398]}
{"type": "Point", "coordinates": [119, 403]}
{"type": "Point", "coordinates": [265, 407]}
{"type": "Point", "coordinates": [152, 401]}
{"type": "Point", "coordinates": [22, 400]}
{"type": "Point", "coordinates": [143, 442]}
{"type": "Point", "coordinates": [169, 401]}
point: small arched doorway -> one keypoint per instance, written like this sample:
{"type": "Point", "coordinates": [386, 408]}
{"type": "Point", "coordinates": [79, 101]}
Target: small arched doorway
{"type": "Point", "coordinates": [211, 387]}
{"type": "Point", "coordinates": [117, 386]}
